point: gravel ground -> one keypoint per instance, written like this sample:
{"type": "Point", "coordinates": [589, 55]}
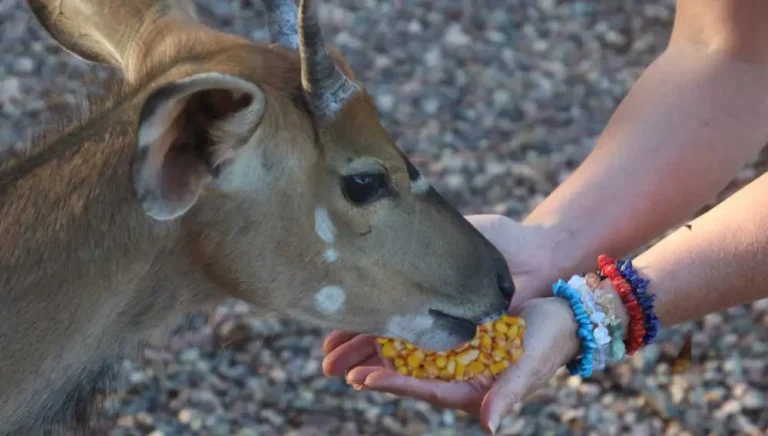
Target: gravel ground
{"type": "Point", "coordinates": [497, 105]}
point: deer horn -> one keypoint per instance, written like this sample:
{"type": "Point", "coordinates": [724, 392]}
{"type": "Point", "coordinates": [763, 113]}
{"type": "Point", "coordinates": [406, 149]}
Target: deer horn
{"type": "Point", "coordinates": [326, 88]}
{"type": "Point", "coordinates": [281, 21]}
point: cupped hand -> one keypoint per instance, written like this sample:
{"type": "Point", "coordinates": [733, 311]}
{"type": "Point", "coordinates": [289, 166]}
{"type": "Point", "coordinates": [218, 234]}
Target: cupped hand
{"type": "Point", "coordinates": [550, 342]}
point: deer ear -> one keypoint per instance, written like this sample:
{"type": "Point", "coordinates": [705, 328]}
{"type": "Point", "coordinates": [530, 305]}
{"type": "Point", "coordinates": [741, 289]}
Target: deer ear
{"type": "Point", "coordinates": [186, 130]}
{"type": "Point", "coordinates": [104, 31]}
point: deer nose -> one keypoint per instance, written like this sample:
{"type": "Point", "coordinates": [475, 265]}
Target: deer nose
{"type": "Point", "coordinates": [506, 286]}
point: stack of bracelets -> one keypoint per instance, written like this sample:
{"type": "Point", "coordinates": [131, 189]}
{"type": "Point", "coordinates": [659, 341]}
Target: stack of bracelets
{"type": "Point", "coordinates": [600, 330]}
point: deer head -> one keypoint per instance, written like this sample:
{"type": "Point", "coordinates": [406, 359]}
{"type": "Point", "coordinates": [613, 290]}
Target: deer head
{"type": "Point", "coordinates": [272, 165]}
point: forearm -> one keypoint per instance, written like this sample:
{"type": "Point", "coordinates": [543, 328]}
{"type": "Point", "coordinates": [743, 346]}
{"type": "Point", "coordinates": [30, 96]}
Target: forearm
{"type": "Point", "coordinates": [688, 125]}
{"type": "Point", "coordinates": [720, 262]}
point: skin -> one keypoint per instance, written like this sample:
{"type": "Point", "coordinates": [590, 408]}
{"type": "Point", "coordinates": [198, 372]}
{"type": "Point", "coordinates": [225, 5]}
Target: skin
{"type": "Point", "coordinates": [694, 118]}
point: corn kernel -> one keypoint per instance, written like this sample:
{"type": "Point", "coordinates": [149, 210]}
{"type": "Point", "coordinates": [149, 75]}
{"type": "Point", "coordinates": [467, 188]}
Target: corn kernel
{"type": "Point", "coordinates": [465, 357]}
{"type": "Point", "coordinates": [415, 359]}
{"type": "Point", "coordinates": [475, 368]}
{"type": "Point", "coordinates": [500, 326]}
{"type": "Point", "coordinates": [388, 350]}
{"type": "Point", "coordinates": [441, 361]}
{"type": "Point", "coordinates": [499, 354]}
{"type": "Point", "coordinates": [485, 358]}
{"type": "Point", "coordinates": [460, 369]}
{"type": "Point", "coordinates": [496, 345]}
{"type": "Point", "coordinates": [431, 369]}
{"type": "Point", "coordinates": [485, 344]}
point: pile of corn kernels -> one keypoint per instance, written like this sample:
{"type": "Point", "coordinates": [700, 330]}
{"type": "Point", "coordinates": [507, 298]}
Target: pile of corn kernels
{"type": "Point", "coordinates": [496, 345]}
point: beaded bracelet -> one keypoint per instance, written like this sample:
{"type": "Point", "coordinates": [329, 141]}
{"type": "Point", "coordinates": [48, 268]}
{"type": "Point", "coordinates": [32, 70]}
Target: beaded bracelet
{"type": "Point", "coordinates": [581, 365]}
{"type": "Point", "coordinates": [616, 348]}
{"type": "Point", "coordinates": [640, 286]}
{"type": "Point", "coordinates": [598, 317]}
{"type": "Point", "coordinates": [636, 334]}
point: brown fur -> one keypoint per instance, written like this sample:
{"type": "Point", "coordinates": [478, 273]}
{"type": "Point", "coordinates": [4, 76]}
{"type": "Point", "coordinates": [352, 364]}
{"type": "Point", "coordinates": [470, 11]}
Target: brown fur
{"type": "Point", "coordinates": [86, 272]}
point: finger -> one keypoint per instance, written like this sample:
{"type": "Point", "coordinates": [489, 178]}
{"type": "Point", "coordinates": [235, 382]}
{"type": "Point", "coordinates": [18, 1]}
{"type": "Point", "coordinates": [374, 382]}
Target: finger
{"type": "Point", "coordinates": [349, 354]}
{"type": "Point", "coordinates": [452, 395]}
{"type": "Point", "coordinates": [336, 338]}
{"type": "Point", "coordinates": [358, 374]}
{"type": "Point", "coordinates": [501, 397]}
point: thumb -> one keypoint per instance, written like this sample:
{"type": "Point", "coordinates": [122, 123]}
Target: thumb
{"type": "Point", "coordinates": [508, 390]}
{"type": "Point", "coordinates": [550, 341]}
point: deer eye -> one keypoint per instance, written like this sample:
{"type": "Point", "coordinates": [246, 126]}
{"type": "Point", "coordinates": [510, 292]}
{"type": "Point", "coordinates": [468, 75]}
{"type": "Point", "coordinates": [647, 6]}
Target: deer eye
{"type": "Point", "coordinates": [362, 189]}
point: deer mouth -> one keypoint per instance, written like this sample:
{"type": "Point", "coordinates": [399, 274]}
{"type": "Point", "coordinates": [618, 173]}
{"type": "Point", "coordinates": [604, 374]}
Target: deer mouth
{"type": "Point", "coordinates": [464, 329]}
{"type": "Point", "coordinates": [475, 322]}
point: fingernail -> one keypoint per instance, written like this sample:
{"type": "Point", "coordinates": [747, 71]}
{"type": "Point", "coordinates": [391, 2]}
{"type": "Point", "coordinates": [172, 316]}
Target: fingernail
{"type": "Point", "coordinates": [493, 424]}
{"type": "Point", "coordinates": [352, 381]}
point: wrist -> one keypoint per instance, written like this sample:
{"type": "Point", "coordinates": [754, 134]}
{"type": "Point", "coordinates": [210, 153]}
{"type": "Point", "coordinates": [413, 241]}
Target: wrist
{"type": "Point", "coordinates": [562, 252]}
{"type": "Point", "coordinates": [614, 300]}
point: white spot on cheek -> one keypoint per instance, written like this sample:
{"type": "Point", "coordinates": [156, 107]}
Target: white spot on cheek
{"type": "Point", "coordinates": [323, 225]}
{"type": "Point", "coordinates": [408, 326]}
{"type": "Point", "coordinates": [420, 186]}
{"type": "Point", "coordinates": [330, 299]}
{"type": "Point", "coordinates": [331, 255]}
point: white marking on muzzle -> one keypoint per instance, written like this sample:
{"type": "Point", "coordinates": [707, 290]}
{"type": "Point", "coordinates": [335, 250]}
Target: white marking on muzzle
{"type": "Point", "coordinates": [330, 299]}
{"type": "Point", "coordinates": [408, 326]}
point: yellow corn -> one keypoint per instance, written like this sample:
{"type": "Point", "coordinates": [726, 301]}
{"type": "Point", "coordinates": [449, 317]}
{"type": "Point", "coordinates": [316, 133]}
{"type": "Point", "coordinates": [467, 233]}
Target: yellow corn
{"type": "Point", "coordinates": [496, 345]}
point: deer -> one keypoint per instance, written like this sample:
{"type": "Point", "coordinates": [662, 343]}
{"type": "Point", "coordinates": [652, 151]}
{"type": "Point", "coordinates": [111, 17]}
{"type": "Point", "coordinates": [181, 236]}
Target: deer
{"type": "Point", "coordinates": [216, 167]}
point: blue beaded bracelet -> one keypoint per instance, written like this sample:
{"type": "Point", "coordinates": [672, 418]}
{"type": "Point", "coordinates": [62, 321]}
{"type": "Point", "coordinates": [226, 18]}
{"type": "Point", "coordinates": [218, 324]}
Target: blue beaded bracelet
{"type": "Point", "coordinates": [645, 300]}
{"type": "Point", "coordinates": [581, 365]}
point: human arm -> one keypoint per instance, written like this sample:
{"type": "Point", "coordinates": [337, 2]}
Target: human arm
{"type": "Point", "coordinates": [718, 263]}
{"type": "Point", "coordinates": [696, 116]}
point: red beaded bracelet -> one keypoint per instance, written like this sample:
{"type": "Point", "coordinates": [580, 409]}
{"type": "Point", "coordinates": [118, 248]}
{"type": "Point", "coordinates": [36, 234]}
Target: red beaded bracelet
{"type": "Point", "coordinates": [636, 329]}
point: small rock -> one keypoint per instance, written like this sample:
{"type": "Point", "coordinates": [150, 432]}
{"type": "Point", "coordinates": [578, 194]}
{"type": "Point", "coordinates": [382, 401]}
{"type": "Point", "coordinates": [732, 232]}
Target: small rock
{"type": "Point", "coordinates": [728, 408]}
{"type": "Point", "coordinates": [145, 422]}
{"type": "Point", "coordinates": [273, 417]}
{"type": "Point", "coordinates": [392, 425]}
{"type": "Point", "coordinates": [24, 64]}
{"type": "Point", "coordinates": [10, 88]}
{"type": "Point", "coordinates": [753, 400]}
{"type": "Point", "coordinates": [385, 102]}
{"type": "Point", "coordinates": [185, 416]}
{"type": "Point", "coordinates": [455, 36]}
{"type": "Point", "coordinates": [232, 335]}
{"type": "Point", "coordinates": [278, 375]}
{"type": "Point", "coordinates": [126, 421]}
{"type": "Point", "coordinates": [190, 355]}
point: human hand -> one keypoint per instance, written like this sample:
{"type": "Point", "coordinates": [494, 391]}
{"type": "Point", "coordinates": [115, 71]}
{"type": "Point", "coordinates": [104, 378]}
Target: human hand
{"type": "Point", "coordinates": [550, 342]}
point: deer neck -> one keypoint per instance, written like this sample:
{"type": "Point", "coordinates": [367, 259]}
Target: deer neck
{"type": "Point", "coordinates": [79, 277]}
